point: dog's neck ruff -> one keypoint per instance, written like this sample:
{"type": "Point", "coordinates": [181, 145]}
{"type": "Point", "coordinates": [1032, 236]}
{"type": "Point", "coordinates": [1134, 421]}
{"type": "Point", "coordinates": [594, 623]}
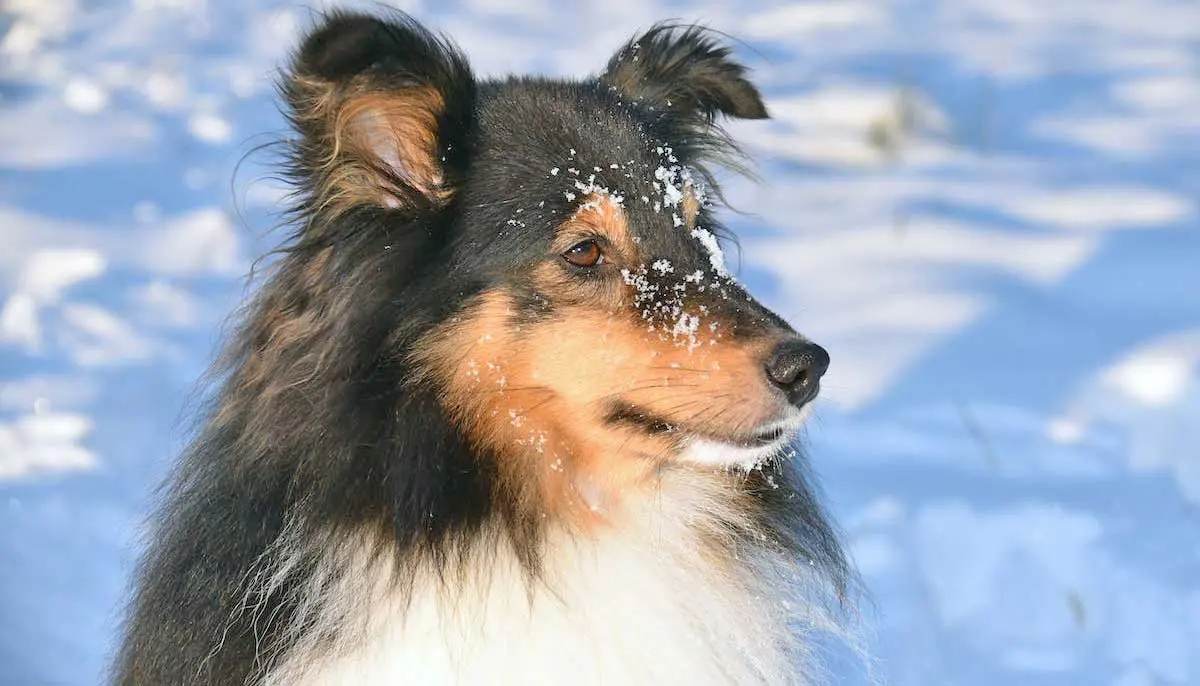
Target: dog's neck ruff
{"type": "Point", "coordinates": [661, 595]}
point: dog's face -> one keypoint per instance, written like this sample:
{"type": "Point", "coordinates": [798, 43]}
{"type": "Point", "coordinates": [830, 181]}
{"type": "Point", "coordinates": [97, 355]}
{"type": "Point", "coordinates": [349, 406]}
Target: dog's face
{"type": "Point", "coordinates": [600, 336]}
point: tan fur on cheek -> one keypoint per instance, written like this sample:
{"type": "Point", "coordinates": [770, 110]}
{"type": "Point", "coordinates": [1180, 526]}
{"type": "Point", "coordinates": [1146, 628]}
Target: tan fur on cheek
{"type": "Point", "coordinates": [718, 389]}
{"type": "Point", "coordinates": [536, 395]}
{"type": "Point", "coordinates": [525, 403]}
{"type": "Point", "coordinates": [497, 394]}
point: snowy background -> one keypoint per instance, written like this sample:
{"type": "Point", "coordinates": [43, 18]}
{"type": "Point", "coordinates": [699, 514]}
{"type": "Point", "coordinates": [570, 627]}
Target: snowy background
{"type": "Point", "coordinates": [987, 210]}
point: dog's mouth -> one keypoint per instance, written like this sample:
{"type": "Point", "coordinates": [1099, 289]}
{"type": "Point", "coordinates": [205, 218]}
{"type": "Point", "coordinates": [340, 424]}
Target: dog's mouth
{"type": "Point", "coordinates": [763, 437]}
{"type": "Point", "coordinates": [628, 414]}
{"type": "Point", "coordinates": [704, 446]}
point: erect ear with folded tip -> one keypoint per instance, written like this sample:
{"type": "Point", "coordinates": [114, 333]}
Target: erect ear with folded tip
{"type": "Point", "coordinates": [684, 71]}
{"type": "Point", "coordinates": [381, 108]}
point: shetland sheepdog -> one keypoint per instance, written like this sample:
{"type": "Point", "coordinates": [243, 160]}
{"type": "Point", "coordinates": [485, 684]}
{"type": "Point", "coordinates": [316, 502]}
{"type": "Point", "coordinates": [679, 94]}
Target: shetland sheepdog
{"type": "Point", "coordinates": [498, 414]}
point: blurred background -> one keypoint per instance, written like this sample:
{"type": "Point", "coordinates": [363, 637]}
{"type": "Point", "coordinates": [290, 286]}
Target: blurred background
{"type": "Point", "coordinates": [985, 209]}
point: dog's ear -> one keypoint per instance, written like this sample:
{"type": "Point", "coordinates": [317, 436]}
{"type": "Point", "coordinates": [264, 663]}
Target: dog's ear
{"type": "Point", "coordinates": [381, 108]}
{"type": "Point", "coordinates": [685, 72]}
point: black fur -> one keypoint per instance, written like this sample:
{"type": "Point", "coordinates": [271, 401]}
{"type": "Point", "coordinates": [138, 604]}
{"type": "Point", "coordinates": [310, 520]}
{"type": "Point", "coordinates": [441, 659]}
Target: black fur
{"type": "Point", "coordinates": [685, 72]}
{"type": "Point", "coordinates": [319, 420]}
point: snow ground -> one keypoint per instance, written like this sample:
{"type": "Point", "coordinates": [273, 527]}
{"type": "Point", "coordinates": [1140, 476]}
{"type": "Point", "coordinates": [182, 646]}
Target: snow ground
{"type": "Point", "coordinates": [986, 210]}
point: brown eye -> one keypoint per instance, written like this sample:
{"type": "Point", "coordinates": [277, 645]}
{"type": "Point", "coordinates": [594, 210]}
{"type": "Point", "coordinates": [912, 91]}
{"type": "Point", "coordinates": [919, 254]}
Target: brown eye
{"type": "Point", "coordinates": [585, 254]}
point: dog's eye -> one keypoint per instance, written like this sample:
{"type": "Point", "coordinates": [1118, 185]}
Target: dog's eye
{"type": "Point", "coordinates": [585, 254]}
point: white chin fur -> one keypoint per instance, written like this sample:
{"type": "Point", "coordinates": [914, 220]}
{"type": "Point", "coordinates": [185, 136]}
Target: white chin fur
{"type": "Point", "coordinates": [707, 452]}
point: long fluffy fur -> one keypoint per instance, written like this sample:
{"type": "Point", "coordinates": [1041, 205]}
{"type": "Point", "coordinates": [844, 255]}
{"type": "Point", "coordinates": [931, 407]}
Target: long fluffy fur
{"type": "Point", "coordinates": [332, 523]}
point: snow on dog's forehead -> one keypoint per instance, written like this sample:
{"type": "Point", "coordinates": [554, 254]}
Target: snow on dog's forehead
{"type": "Point", "coordinates": [547, 150]}
{"type": "Point", "coordinates": [657, 192]}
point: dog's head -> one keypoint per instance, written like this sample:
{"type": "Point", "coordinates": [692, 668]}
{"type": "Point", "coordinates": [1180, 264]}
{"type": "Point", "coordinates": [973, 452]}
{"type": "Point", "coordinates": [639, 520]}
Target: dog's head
{"type": "Point", "coordinates": [552, 249]}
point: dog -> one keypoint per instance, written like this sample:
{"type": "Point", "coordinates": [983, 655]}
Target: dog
{"type": "Point", "coordinates": [498, 414]}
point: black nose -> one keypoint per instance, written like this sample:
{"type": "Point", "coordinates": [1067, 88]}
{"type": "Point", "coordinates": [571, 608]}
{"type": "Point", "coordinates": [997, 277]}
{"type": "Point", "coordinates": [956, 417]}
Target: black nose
{"type": "Point", "coordinates": [796, 367]}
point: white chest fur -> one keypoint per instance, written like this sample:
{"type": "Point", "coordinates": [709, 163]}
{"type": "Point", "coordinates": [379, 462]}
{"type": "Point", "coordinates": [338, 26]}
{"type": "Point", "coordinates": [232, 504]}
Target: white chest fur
{"type": "Point", "coordinates": [643, 602]}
